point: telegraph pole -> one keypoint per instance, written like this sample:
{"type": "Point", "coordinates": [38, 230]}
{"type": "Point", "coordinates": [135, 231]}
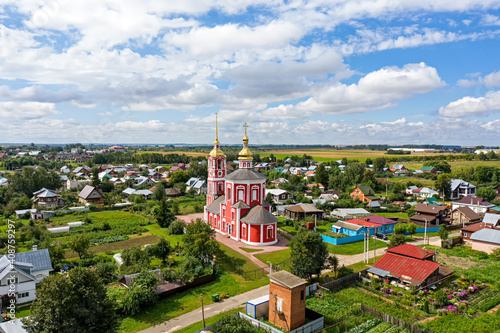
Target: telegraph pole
{"type": "Point", "coordinates": [202, 311]}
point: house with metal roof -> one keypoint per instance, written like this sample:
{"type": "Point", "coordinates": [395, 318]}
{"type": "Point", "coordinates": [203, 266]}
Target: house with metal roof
{"type": "Point", "coordinates": [460, 188]}
{"type": "Point", "coordinates": [27, 270]}
{"type": "Point", "coordinates": [485, 240]}
{"type": "Point", "coordinates": [464, 216]}
{"type": "Point", "coordinates": [47, 199]}
{"type": "Point", "coordinates": [478, 205]}
{"type": "Point", "coordinates": [301, 211]}
{"type": "Point", "coordinates": [408, 265]}
{"type": "Point", "coordinates": [491, 219]}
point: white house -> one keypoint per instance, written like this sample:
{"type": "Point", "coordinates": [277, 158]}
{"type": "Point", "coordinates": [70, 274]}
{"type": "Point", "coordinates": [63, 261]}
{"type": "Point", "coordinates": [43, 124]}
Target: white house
{"type": "Point", "coordinates": [28, 269]}
{"type": "Point", "coordinates": [478, 205]}
{"type": "Point", "coordinates": [424, 192]}
{"type": "Point", "coordinates": [279, 196]}
{"type": "Point", "coordinates": [460, 188]}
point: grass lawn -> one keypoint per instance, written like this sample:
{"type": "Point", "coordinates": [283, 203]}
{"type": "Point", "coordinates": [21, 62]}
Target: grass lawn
{"type": "Point", "coordinates": [275, 257]}
{"type": "Point", "coordinates": [361, 265]}
{"type": "Point", "coordinates": [353, 248]}
{"type": "Point", "coordinates": [23, 311]}
{"type": "Point", "coordinates": [391, 215]}
{"type": "Point", "coordinates": [182, 303]}
{"type": "Point", "coordinates": [209, 321]}
{"type": "Point", "coordinates": [235, 262]}
{"type": "Point", "coordinates": [250, 250]}
{"type": "Point", "coordinates": [155, 229]}
{"type": "Point", "coordinates": [112, 217]}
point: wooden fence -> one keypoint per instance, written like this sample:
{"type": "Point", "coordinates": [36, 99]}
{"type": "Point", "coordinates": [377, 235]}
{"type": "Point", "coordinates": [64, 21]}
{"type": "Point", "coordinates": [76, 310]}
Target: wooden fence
{"type": "Point", "coordinates": [393, 320]}
{"type": "Point", "coordinates": [343, 281]}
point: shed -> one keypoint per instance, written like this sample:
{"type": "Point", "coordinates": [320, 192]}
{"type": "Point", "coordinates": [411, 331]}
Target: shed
{"type": "Point", "coordinates": [75, 224]}
{"type": "Point", "coordinates": [259, 307]}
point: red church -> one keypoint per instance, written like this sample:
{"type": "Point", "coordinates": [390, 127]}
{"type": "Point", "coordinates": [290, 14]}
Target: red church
{"type": "Point", "coordinates": [235, 202]}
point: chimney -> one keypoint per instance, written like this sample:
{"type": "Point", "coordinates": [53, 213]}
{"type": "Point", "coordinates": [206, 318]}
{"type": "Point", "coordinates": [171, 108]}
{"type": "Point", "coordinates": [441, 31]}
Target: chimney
{"type": "Point", "coordinates": [35, 247]}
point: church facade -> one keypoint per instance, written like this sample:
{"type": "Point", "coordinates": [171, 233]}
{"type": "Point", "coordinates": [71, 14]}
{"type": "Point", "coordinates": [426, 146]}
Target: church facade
{"type": "Point", "coordinates": [236, 204]}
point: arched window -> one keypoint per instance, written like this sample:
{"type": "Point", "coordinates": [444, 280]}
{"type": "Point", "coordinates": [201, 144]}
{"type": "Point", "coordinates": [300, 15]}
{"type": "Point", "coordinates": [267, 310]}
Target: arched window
{"type": "Point", "coordinates": [241, 195]}
{"type": "Point", "coordinates": [270, 232]}
{"type": "Point", "coordinates": [254, 195]}
{"type": "Point", "coordinates": [229, 193]}
{"type": "Point", "coordinates": [244, 231]}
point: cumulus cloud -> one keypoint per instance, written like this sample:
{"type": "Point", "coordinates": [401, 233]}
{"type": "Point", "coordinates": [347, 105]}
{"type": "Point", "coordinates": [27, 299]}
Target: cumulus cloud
{"type": "Point", "coordinates": [377, 90]}
{"type": "Point", "coordinates": [470, 106]}
{"type": "Point", "coordinates": [490, 80]}
{"type": "Point", "coordinates": [27, 110]}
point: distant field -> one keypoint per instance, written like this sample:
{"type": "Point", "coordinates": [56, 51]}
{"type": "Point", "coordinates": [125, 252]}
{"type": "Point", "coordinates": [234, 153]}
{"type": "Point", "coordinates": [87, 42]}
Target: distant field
{"type": "Point", "coordinates": [455, 165]}
{"type": "Point", "coordinates": [334, 154]}
{"type": "Point", "coordinates": [187, 153]}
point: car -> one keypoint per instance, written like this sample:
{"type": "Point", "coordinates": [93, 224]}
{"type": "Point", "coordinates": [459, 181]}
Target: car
{"type": "Point", "coordinates": [381, 236]}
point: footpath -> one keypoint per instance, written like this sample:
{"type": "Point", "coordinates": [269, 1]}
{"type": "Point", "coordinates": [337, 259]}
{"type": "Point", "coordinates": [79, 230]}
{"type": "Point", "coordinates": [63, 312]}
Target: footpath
{"type": "Point", "coordinates": [194, 316]}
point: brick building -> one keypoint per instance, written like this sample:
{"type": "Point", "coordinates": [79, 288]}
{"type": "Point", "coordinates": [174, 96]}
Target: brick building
{"type": "Point", "coordinates": [287, 300]}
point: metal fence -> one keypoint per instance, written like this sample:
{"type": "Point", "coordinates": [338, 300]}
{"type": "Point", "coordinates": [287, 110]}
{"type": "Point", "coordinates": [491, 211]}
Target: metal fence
{"type": "Point", "coordinates": [343, 281]}
{"type": "Point", "coordinates": [261, 272]}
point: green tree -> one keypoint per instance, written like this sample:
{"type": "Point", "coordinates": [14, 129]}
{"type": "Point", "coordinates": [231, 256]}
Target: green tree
{"type": "Point", "coordinates": [333, 263]}
{"type": "Point", "coordinates": [379, 164]}
{"type": "Point", "coordinates": [95, 177]}
{"type": "Point", "coordinates": [163, 214]}
{"type": "Point", "coordinates": [80, 244]}
{"type": "Point", "coordinates": [411, 228]}
{"type": "Point", "coordinates": [399, 229]}
{"type": "Point", "coordinates": [321, 175]}
{"type": "Point", "coordinates": [308, 253]}
{"type": "Point", "coordinates": [487, 193]}
{"type": "Point", "coordinates": [176, 227]}
{"type": "Point", "coordinates": [162, 249]}
{"type": "Point", "coordinates": [199, 241]}
{"type": "Point", "coordinates": [141, 292]}
{"type": "Point", "coordinates": [159, 193]}
{"type": "Point", "coordinates": [180, 176]}
{"type": "Point", "coordinates": [76, 304]}
{"type": "Point", "coordinates": [235, 324]}
{"type": "Point", "coordinates": [443, 233]}
{"type": "Point", "coordinates": [397, 239]}
{"type": "Point", "coordinates": [443, 184]}
{"type": "Point", "coordinates": [135, 259]}
{"type": "Point", "coordinates": [56, 250]}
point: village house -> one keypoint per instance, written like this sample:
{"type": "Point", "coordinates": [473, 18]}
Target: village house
{"type": "Point", "coordinates": [375, 224]}
{"type": "Point", "coordinates": [349, 213]}
{"type": "Point", "coordinates": [408, 265]}
{"type": "Point", "coordinates": [198, 185]}
{"type": "Point", "coordinates": [364, 193]}
{"type": "Point", "coordinates": [466, 232]}
{"type": "Point", "coordinates": [399, 168]}
{"type": "Point", "coordinates": [485, 240]}
{"type": "Point", "coordinates": [431, 214]}
{"type": "Point", "coordinates": [91, 195]}
{"type": "Point", "coordinates": [301, 211]}
{"type": "Point", "coordinates": [460, 188]}
{"type": "Point", "coordinates": [46, 199]}
{"type": "Point", "coordinates": [478, 205]}
{"type": "Point", "coordinates": [424, 192]}
{"type": "Point", "coordinates": [279, 196]}
{"type": "Point", "coordinates": [30, 268]}
{"type": "Point", "coordinates": [464, 216]}
{"type": "Point", "coordinates": [147, 194]}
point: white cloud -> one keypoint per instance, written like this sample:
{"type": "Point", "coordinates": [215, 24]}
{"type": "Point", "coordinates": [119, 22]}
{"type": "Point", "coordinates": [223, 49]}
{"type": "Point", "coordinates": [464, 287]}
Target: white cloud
{"type": "Point", "coordinates": [27, 110]}
{"type": "Point", "coordinates": [489, 19]}
{"type": "Point", "coordinates": [471, 106]}
{"type": "Point", "coordinates": [377, 90]}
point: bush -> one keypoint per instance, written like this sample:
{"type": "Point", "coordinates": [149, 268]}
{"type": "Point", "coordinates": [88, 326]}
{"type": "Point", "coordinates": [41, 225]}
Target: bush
{"type": "Point", "coordinates": [169, 274]}
{"type": "Point", "coordinates": [176, 228]}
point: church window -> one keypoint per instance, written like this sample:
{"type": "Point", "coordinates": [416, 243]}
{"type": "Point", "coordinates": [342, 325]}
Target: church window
{"type": "Point", "coordinates": [229, 193]}
{"type": "Point", "coordinates": [241, 195]}
{"type": "Point", "coordinates": [232, 215]}
{"type": "Point", "coordinates": [254, 194]}
{"type": "Point", "coordinates": [270, 233]}
{"type": "Point", "coordinates": [244, 231]}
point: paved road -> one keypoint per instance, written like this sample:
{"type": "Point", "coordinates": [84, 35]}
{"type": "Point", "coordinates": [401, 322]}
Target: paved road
{"type": "Point", "coordinates": [194, 316]}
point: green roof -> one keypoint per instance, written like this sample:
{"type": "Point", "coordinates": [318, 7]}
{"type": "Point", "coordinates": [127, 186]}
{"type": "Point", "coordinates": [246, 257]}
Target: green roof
{"type": "Point", "coordinates": [495, 208]}
{"type": "Point", "coordinates": [367, 190]}
{"type": "Point", "coordinates": [427, 168]}
{"type": "Point", "coordinates": [433, 201]}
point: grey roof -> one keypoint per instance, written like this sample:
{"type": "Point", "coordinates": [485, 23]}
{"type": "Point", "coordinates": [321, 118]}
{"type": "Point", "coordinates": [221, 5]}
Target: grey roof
{"type": "Point", "coordinates": [378, 271]}
{"type": "Point", "coordinates": [287, 279]}
{"type": "Point", "coordinates": [240, 205]}
{"type": "Point", "coordinates": [40, 259]}
{"type": "Point", "coordinates": [457, 182]}
{"type": "Point", "coordinates": [258, 215]}
{"type": "Point", "coordinates": [374, 204]}
{"type": "Point", "coordinates": [87, 190]}
{"type": "Point", "coordinates": [347, 225]}
{"type": "Point", "coordinates": [214, 207]}
{"type": "Point", "coordinates": [245, 174]}
{"type": "Point", "coordinates": [13, 326]}
{"type": "Point", "coordinates": [491, 218]}
{"type": "Point", "coordinates": [487, 235]}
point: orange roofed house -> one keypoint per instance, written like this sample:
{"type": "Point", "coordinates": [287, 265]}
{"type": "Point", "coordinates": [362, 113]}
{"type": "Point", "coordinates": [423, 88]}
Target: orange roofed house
{"type": "Point", "coordinates": [364, 193]}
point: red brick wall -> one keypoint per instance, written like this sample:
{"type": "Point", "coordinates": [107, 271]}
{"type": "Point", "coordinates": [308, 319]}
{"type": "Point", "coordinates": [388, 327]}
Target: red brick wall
{"type": "Point", "coordinates": [294, 309]}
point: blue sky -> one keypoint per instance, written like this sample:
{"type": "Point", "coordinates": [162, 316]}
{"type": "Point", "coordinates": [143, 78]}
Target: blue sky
{"type": "Point", "coordinates": [299, 72]}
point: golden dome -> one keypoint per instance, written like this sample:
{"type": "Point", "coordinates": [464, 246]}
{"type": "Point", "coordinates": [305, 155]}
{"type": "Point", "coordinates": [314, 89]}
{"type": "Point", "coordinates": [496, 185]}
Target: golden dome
{"type": "Point", "coordinates": [245, 154]}
{"type": "Point", "coordinates": [216, 152]}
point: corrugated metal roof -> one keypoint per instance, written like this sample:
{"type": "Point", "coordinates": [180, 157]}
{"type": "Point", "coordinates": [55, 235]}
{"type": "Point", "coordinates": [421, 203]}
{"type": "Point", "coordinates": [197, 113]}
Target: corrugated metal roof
{"type": "Point", "coordinates": [487, 235]}
{"type": "Point", "coordinates": [490, 218]}
{"type": "Point", "coordinates": [378, 271]}
{"type": "Point", "coordinates": [413, 270]}
{"type": "Point", "coordinates": [245, 174]}
{"type": "Point", "coordinates": [214, 207]}
{"type": "Point", "coordinates": [259, 215]}
{"type": "Point", "coordinates": [39, 259]}
{"type": "Point", "coordinates": [410, 250]}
